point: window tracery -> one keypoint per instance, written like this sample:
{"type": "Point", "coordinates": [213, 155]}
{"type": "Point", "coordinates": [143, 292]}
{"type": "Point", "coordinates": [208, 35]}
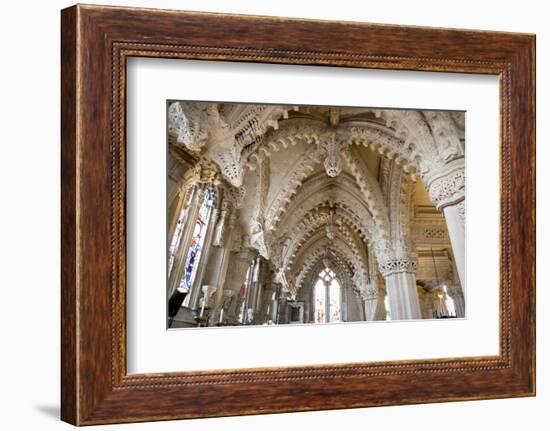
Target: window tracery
{"type": "Point", "coordinates": [328, 299]}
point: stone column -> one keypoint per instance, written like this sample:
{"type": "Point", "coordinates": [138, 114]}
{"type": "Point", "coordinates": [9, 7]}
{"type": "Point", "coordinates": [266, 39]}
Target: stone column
{"type": "Point", "coordinates": [370, 303]}
{"type": "Point", "coordinates": [374, 306]}
{"type": "Point", "coordinates": [427, 306]}
{"type": "Point", "coordinates": [218, 262]}
{"type": "Point", "coordinates": [183, 197]}
{"type": "Point", "coordinates": [400, 277]}
{"type": "Point", "coordinates": [274, 310]}
{"type": "Point", "coordinates": [194, 293]}
{"type": "Point", "coordinates": [455, 292]}
{"type": "Point", "coordinates": [236, 279]}
{"type": "Point", "coordinates": [447, 187]}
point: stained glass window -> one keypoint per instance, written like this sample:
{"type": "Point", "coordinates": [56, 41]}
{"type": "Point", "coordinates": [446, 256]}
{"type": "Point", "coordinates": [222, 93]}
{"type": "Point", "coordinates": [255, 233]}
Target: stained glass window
{"type": "Point", "coordinates": [327, 297]}
{"type": "Point", "coordinates": [320, 301]}
{"type": "Point", "coordinates": [176, 238]}
{"type": "Point", "coordinates": [334, 296]}
{"type": "Point", "coordinates": [197, 242]}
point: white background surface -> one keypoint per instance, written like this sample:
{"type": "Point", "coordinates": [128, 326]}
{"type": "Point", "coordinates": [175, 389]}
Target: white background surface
{"type": "Point", "coordinates": [29, 228]}
{"type": "Point", "coordinates": [151, 348]}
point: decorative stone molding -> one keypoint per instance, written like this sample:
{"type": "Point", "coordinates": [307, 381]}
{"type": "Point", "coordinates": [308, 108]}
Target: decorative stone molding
{"type": "Point", "coordinates": [190, 123]}
{"type": "Point", "coordinates": [315, 225]}
{"type": "Point", "coordinates": [373, 196]}
{"type": "Point", "coordinates": [445, 134]}
{"type": "Point", "coordinates": [329, 227]}
{"type": "Point", "coordinates": [222, 131]}
{"type": "Point", "coordinates": [204, 172]}
{"type": "Point", "coordinates": [319, 241]}
{"type": "Point", "coordinates": [398, 265]}
{"type": "Point", "coordinates": [320, 193]}
{"type": "Point", "coordinates": [462, 212]}
{"type": "Point", "coordinates": [332, 163]}
{"type": "Point", "coordinates": [257, 237]}
{"type": "Point", "coordinates": [301, 170]}
{"type": "Point", "coordinates": [236, 195]}
{"type": "Point", "coordinates": [233, 134]}
{"type": "Point", "coordinates": [230, 165]}
{"type": "Point", "coordinates": [398, 191]}
{"type": "Point", "coordinates": [315, 259]}
{"type": "Point", "coordinates": [311, 131]}
{"type": "Point", "coordinates": [430, 233]}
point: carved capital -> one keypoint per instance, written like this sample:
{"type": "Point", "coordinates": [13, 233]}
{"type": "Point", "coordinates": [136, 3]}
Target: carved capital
{"type": "Point", "coordinates": [447, 186]}
{"type": "Point", "coordinates": [204, 172]}
{"type": "Point", "coordinates": [395, 265]}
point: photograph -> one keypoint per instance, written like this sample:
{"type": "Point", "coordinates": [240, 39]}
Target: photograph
{"type": "Point", "coordinates": [285, 214]}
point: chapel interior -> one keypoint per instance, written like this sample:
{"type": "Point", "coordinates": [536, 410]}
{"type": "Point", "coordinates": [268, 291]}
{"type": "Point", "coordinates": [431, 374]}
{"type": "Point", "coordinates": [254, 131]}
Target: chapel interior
{"type": "Point", "coordinates": [312, 214]}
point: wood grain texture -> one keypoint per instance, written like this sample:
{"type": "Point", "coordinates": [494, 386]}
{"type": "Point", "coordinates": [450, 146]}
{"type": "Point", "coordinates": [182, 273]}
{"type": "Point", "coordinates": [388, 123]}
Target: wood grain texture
{"type": "Point", "coordinates": [96, 41]}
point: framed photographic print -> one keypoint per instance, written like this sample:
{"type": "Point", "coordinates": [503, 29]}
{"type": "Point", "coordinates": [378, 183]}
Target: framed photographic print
{"type": "Point", "coordinates": [268, 215]}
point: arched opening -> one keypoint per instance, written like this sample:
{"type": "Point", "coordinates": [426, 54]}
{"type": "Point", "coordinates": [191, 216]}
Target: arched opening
{"type": "Point", "coordinates": [328, 297]}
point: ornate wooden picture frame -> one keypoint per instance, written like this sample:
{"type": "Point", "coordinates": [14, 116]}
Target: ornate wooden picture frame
{"type": "Point", "coordinates": [96, 41]}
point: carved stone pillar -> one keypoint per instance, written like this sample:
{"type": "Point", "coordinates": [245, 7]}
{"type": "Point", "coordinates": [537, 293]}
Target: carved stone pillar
{"type": "Point", "coordinates": [236, 279]}
{"type": "Point", "coordinates": [447, 187]}
{"type": "Point", "coordinates": [371, 303]}
{"type": "Point", "coordinates": [400, 276]}
{"type": "Point", "coordinates": [274, 309]}
{"type": "Point", "coordinates": [373, 295]}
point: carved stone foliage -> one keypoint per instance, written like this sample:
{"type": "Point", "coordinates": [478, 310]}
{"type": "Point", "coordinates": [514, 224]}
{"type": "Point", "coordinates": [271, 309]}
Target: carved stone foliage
{"type": "Point", "coordinates": [421, 139]}
{"type": "Point", "coordinates": [294, 131]}
{"type": "Point", "coordinates": [398, 264]}
{"type": "Point", "coordinates": [448, 187]}
{"type": "Point", "coordinates": [223, 132]}
{"type": "Point", "coordinates": [445, 133]}
{"type": "Point", "coordinates": [204, 172]}
{"type": "Point", "coordinates": [190, 123]}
